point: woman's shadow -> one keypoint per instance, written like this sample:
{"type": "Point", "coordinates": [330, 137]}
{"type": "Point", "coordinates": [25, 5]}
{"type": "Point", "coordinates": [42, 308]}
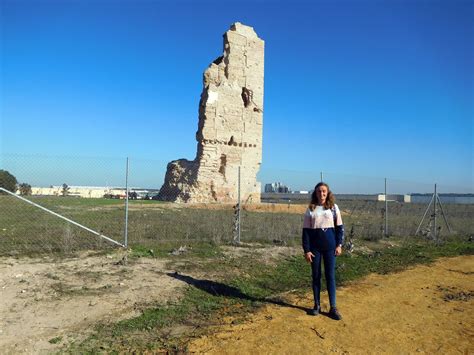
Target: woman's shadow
{"type": "Point", "coordinates": [219, 289]}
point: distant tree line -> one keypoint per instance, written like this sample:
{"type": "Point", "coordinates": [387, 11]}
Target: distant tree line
{"type": "Point", "coordinates": [10, 183]}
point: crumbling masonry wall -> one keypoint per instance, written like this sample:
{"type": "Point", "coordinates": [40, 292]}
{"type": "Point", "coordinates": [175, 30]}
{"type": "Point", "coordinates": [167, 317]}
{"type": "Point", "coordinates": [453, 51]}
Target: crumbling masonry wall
{"type": "Point", "coordinates": [229, 129]}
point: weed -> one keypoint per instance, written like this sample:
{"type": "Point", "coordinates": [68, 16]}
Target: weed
{"type": "Point", "coordinates": [55, 340]}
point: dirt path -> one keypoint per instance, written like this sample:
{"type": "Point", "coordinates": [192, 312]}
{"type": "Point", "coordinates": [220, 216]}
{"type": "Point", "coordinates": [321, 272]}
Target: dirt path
{"type": "Point", "coordinates": [426, 309]}
{"type": "Point", "coordinates": [45, 303]}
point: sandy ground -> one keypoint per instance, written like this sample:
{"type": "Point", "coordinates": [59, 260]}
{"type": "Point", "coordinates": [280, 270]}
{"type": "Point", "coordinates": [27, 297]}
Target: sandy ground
{"type": "Point", "coordinates": [254, 207]}
{"type": "Point", "coordinates": [47, 303]}
{"type": "Point", "coordinates": [42, 299]}
{"type": "Point", "coordinates": [426, 309]}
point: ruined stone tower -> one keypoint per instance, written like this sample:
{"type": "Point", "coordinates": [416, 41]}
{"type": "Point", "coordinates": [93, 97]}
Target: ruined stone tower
{"type": "Point", "coordinates": [230, 127]}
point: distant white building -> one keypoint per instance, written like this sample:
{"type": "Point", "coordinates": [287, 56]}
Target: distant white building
{"type": "Point", "coordinates": [398, 198]}
{"type": "Point", "coordinates": [277, 187]}
{"type": "Point", "coordinates": [78, 191]}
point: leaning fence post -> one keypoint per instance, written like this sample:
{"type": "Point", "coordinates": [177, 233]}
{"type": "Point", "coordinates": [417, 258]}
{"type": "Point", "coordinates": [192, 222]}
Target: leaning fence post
{"type": "Point", "coordinates": [62, 217]}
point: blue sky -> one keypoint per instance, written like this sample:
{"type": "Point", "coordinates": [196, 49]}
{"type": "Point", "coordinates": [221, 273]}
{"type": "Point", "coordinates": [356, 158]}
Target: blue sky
{"type": "Point", "coordinates": [358, 89]}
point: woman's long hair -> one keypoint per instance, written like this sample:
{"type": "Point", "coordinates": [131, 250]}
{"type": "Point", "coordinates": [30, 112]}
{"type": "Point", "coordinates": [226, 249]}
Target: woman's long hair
{"type": "Point", "coordinates": [330, 199]}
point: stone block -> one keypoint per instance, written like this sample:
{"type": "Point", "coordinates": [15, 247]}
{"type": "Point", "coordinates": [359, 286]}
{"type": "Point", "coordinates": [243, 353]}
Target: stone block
{"type": "Point", "coordinates": [246, 31]}
{"type": "Point", "coordinates": [236, 38]}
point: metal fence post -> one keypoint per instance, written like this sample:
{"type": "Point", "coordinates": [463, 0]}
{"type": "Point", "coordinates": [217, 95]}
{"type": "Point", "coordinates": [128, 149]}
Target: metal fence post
{"type": "Point", "coordinates": [238, 197]}
{"type": "Point", "coordinates": [386, 209]}
{"type": "Point", "coordinates": [434, 214]}
{"type": "Point", "coordinates": [126, 206]}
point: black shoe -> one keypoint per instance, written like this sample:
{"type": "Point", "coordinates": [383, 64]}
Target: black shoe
{"type": "Point", "coordinates": [334, 314]}
{"type": "Point", "coordinates": [314, 311]}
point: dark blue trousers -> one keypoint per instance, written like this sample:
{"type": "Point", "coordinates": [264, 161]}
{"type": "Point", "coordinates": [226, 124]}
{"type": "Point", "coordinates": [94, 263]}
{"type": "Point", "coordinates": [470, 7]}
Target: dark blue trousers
{"type": "Point", "coordinates": [329, 272]}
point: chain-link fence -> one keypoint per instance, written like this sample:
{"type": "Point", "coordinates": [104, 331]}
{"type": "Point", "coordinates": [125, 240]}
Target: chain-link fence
{"type": "Point", "coordinates": [372, 208]}
{"type": "Point", "coordinates": [72, 214]}
{"type": "Point", "coordinates": [95, 203]}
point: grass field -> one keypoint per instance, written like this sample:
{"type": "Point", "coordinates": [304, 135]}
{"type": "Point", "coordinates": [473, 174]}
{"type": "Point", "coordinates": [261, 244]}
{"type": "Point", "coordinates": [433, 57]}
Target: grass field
{"type": "Point", "coordinates": [25, 229]}
{"type": "Point", "coordinates": [236, 287]}
{"type": "Point", "coordinates": [231, 281]}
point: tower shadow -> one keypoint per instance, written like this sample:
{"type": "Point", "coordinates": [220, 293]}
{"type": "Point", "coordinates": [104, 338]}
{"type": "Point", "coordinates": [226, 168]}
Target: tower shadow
{"type": "Point", "coordinates": [219, 289]}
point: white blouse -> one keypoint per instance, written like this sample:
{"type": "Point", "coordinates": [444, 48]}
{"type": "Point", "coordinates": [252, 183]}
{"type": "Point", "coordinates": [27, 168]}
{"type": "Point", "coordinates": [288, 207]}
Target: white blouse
{"type": "Point", "coordinates": [322, 218]}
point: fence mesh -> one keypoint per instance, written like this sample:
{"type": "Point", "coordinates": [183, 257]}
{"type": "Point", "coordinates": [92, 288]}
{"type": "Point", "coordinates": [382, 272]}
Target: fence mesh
{"type": "Point", "coordinates": [92, 192]}
{"type": "Point", "coordinates": [71, 187]}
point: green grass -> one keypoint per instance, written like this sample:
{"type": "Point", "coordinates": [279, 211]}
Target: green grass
{"type": "Point", "coordinates": [55, 340]}
{"type": "Point", "coordinates": [206, 301]}
{"type": "Point", "coordinates": [367, 218]}
{"type": "Point", "coordinates": [26, 230]}
{"type": "Point", "coordinates": [397, 259]}
{"type": "Point", "coordinates": [246, 282]}
{"type": "Point", "coordinates": [201, 250]}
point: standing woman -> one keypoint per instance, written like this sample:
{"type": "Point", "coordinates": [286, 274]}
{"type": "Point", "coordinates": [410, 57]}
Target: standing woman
{"type": "Point", "coordinates": [323, 235]}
